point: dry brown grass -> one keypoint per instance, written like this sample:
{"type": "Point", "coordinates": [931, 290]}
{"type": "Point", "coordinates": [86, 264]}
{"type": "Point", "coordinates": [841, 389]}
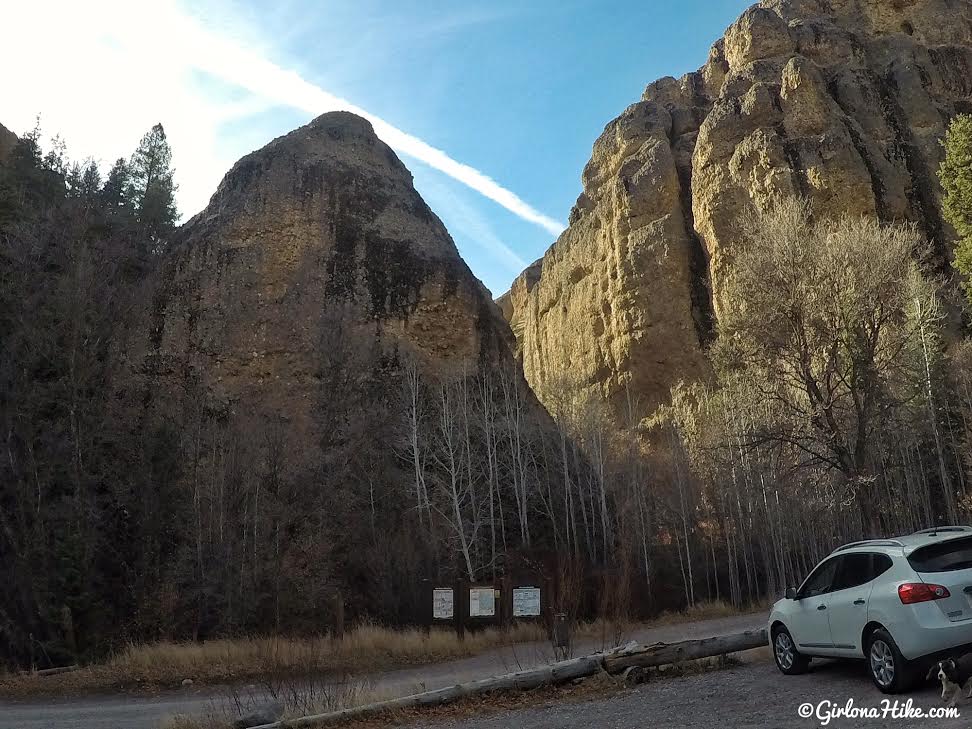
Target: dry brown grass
{"type": "Point", "coordinates": [707, 610]}
{"type": "Point", "coordinates": [607, 631]}
{"type": "Point", "coordinates": [187, 722]}
{"type": "Point", "coordinates": [365, 649]}
{"type": "Point", "coordinates": [299, 697]}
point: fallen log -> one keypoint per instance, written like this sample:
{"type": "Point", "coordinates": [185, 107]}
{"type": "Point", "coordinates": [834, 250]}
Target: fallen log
{"type": "Point", "coordinates": [632, 676]}
{"type": "Point", "coordinates": [554, 673]}
{"type": "Point", "coordinates": [662, 654]}
{"type": "Point", "coordinates": [629, 660]}
{"type": "Point", "coordinates": [53, 671]}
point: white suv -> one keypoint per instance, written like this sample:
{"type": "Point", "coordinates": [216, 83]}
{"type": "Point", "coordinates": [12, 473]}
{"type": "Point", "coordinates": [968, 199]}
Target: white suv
{"type": "Point", "coordinates": [900, 603]}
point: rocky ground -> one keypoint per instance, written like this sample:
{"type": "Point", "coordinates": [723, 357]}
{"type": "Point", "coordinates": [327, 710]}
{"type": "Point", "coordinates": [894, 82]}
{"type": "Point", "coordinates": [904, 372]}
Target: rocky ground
{"type": "Point", "coordinates": [750, 695]}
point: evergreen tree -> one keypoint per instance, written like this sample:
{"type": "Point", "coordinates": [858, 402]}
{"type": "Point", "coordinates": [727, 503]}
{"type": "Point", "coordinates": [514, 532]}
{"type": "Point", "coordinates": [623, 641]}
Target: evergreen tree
{"type": "Point", "coordinates": [116, 188]}
{"type": "Point", "coordinates": [56, 158]}
{"type": "Point", "coordinates": [956, 176]}
{"type": "Point", "coordinates": [73, 179]}
{"type": "Point", "coordinates": [152, 187]}
{"type": "Point", "coordinates": [83, 180]}
{"type": "Point", "coordinates": [116, 195]}
{"type": "Point", "coordinates": [27, 182]}
{"type": "Point", "coordinates": [90, 182]}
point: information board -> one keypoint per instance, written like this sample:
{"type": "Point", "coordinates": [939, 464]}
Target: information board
{"type": "Point", "coordinates": [482, 602]}
{"type": "Point", "coordinates": [442, 603]}
{"type": "Point", "coordinates": [526, 602]}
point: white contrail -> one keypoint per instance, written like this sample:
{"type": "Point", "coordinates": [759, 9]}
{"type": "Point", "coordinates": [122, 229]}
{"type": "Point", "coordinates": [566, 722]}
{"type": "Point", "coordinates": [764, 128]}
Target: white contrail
{"type": "Point", "coordinates": [231, 62]}
{"type": "Point", "coordinates": [467, 220]}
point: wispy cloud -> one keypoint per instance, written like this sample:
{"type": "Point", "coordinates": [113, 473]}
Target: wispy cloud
{"type": "Point", "coordinates": [464, 219]}
{"type": "Point", "coordinates": [127, 30]}
{"type": "Point", "coordinates": [211, 82]}
{"type": "Point", "coordinates": [234, 63]}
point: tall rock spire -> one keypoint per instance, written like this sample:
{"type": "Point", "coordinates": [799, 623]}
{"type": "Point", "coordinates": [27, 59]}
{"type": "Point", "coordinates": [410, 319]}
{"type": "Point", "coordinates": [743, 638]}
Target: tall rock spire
{"type": "Point", "coordinates": [320, 236]}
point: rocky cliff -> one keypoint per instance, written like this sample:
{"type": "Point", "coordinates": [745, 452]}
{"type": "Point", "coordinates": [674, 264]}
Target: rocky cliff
{"type": "Point", "coordinates": [316, 242]}
{"type": "Point", "coordinates": [8, 140]}
{"type": "Point", "coordinates": [842, 101]}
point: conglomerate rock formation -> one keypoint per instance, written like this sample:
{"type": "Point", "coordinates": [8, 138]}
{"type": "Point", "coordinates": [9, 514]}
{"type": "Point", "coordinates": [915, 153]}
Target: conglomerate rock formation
{"type": "Point", "coordinates": [842, 101]}
{"type": "Point", "coordinates": [316, 242]}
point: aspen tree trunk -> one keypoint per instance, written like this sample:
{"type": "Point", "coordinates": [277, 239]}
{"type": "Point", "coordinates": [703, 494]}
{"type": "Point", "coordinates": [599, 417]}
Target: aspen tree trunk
{"type": "Point", "coordinates": [581, 500]}
{"type": "Point", "coordinates": [197, 518]}
{"type": "Point", "coordinates": [421, 494]}
{"type": "Point", "coordinates": [953, 444]}
{"type": "Point", "coordinates": [744, 524]}
{"type": "Point", "coordinates": [570, 521]}
{"type": "Point", "coordinates": [682, 569]}
{"type": "Point", "coordinates": [451, 460]}
{"type": "Point", "coordinates": [735, 587]}
{"type": "Point", "coordinates": [949, 493]}
{"type": "Point", "coordinates": [489, 440]}
{"type": "Point", "coordinates": [550, 500]}
{"type": "Point", "coordinates": [597, 457]}
{"type": "Point", "coordinates": [514, 414]}
{"type": "Point", "coordinates": [683, 518]}
{"type": "Point", "coordinates": [465, 415]}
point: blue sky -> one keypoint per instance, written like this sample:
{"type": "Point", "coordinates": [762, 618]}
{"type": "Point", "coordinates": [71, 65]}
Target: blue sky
{"type": "Point", "coordinates": [516, 91]}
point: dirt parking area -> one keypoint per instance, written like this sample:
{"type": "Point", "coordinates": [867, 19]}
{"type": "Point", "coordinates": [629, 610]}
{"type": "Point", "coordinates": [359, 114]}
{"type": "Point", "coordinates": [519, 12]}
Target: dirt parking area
{"type": "Point", "coordinates": [752, 695]}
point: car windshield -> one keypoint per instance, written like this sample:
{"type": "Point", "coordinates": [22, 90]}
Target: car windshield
{"type": "Point", "coordinates": [955, 554]}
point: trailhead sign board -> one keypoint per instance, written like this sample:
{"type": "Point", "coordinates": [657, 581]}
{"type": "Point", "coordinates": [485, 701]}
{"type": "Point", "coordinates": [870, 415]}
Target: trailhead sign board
{"type": "Point", "coordinates": [526, 602]}
{"type": "Point", "coordinates": [482, 602]}
{"type": "Point", "coordinates": [442, 604]}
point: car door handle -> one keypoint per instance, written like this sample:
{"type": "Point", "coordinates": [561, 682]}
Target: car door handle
{"type": "Point", "coordinates": [859, 602]}
{"type": "Point", "coordinates": [821, 607]}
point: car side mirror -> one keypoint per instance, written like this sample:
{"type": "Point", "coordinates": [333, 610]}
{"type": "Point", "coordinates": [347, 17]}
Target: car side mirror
{"type": "Point", "coordinates": [790, 594]}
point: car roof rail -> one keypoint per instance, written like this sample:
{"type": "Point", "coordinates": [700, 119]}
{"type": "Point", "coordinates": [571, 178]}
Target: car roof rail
{"type": "Point", "coordinates": [945, 528]}
{"type": "Point", "coordinates": [870, 543]}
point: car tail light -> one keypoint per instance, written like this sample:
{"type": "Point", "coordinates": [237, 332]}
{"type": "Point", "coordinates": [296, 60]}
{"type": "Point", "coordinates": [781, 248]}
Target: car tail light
{"type": "Point", "coordinates": [912, 592]}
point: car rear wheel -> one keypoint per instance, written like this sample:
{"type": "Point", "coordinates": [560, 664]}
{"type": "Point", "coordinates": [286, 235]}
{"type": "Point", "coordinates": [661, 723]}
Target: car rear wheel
{"type": "Point", "coordinates": [890, 671]}
{"type": "Point", "coordinates": [788, 659]}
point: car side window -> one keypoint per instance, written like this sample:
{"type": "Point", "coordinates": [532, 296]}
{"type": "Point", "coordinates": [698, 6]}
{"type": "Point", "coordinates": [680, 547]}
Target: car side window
{"type": "Point", "coordinates": [820, 579]}
{"type": "Point", "coordinates": [882, 563]}
{"type": "Point", "coordinates": [855, 569]}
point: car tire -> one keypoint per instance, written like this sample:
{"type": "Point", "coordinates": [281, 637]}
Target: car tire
{"type": "Point", "coordinates": [788, 659]}
{"type": "Point", "coordinates": [890, 671]}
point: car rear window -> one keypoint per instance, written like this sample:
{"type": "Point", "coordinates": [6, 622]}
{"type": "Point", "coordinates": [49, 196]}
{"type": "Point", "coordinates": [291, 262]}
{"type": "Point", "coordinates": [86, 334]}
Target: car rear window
{"type": "Point", "coordinates": [955, 554]}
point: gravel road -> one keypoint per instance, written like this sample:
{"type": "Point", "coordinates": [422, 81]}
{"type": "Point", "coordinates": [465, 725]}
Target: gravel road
{"type": "Point", "coordinates": [752, 695]}
{"type": "Point", "coordinates": [148, 712]}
